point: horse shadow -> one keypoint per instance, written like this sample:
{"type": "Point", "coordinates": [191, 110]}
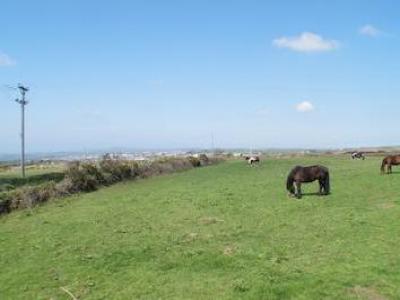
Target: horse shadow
{"type": "Point", "coordinates": [393, 173]}
{"type": "Point", "coordinates": [311, 195]}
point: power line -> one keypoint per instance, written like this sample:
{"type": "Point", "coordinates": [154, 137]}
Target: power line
{"type": "Point", "coordinates": [23, 90]}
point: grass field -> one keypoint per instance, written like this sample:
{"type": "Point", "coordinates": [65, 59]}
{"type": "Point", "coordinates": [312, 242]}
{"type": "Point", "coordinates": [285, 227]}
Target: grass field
{"type": "Point", "coordinates": [11, 179]}
{"type": "Point", "coordinates": [220, 232]}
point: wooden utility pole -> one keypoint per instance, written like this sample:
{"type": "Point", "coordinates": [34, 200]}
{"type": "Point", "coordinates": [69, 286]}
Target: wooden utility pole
{"type": "Point", "coordinates": [22, 102]}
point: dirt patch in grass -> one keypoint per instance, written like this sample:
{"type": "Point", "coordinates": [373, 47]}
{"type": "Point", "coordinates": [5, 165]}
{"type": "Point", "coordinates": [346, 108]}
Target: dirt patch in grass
{"type": "Point", "coordinates": [387, 205]}
{"type": "Point", "coordinates": [190, 237]}
{"type": "Point", "coordinates": [210, 220]}
{"type": "Point", "coordinates": [229, 250]}
{"type": "Point", "coordinates": [367, 293]}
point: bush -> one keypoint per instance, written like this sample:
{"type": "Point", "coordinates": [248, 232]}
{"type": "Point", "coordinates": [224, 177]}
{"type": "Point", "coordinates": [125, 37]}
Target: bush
{"type": "Point", "coordinates": [5, 168]}
{"type": "Point", "coordinates": [83, 177]}
{"type": "Point", "coordinates": [215, 160]}
{"type": "Point", "coordinates": [194, 161]}
{"type": "Point", "coordinates": [4, 203]}
{"type": "Point", "coordinates": [5, 207]}
{"type": "Point", "coordinates": [117, 170]}
{"type": "Point", "coordinates": [65, 187]}
{"type": "Point", "coordinates": [30, 196]}
{"type": "Point", "coordinates": [86, 177]}
{"type": "Point", "coordinates": [204, 160]}
{"type": "Point", "coordinates": [163, 166]}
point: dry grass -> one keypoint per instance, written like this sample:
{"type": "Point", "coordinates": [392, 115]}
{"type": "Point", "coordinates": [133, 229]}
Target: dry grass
{"type": "Point", "coordinates": [367, 293]}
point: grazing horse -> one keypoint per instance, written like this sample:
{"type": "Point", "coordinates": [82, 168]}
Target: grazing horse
{"type": "Point", "coordinates": [388, 162]}
{"type": "Point", "coordinates": [359, 155]}
{"type": "Point", "coordinates": [300, 174]}
{"type": "Point", "coordinates": [252, 159]}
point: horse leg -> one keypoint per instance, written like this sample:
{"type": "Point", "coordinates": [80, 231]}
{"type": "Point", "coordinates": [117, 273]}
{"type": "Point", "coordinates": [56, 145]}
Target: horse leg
{"type": "Point", "coordinates": [297, 189]}
{"type": "Point", "coordinates": [321, 186]}
{"type": "Point", "coordinates": [389, 169]}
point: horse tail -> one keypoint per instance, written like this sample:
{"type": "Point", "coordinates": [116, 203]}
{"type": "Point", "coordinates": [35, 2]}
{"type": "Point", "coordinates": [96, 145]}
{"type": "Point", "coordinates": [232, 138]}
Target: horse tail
{"type": "Point", "coordinates": [327, 187]}
{"type": "Point", "coordinates": [384, 162]}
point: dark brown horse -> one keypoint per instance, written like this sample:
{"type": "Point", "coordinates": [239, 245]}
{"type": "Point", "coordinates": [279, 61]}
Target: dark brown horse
{"type": "Point", "coordinates": [388, 162]}
{"type": "Point", "coordinates": [300, 174]}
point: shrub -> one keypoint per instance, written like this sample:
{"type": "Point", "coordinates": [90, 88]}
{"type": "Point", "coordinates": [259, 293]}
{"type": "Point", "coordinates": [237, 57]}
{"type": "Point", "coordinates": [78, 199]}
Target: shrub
{"type": "Point", "coordinates": [4, 207]}
{"type": "Point", "coordinates": [204, 160]}
{"type": "Point", "coordinates": [194, 161]}
{"type": "Point", "coordinates": [215, 159]}
{"type": "Point", "coordinates": [86, 177]}
{"type": "Point", "coordinates": [83, 176]}
{"type": "Point", "coordinates": [65, 187]}
{"type": "Point", "coordinates": [5, 168]}
{"type": "Point", "coordinates": [30, 196]}
{"type": "Point", "coordinates": [163, 166]}
{"type": "Point", "coordinates": [117, 170]}
{"type": "Point", "coordinates": [4, 203]}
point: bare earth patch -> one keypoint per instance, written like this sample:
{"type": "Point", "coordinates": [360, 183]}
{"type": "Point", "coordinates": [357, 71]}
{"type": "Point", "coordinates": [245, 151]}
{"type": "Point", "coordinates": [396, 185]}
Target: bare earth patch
{"type": "Point", "coordinates": [190, 237]}
{"type": "Point", "coordinates": [387, 205]}
{"type": "Point", "coordinates": [367, 293]}
{"type": "Point", "coordinates": [210, 220]}
{"type": "Point", "coordinates": [229, 250]}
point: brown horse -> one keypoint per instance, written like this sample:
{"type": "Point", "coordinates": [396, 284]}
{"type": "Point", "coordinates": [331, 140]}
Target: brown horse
{"type": "Point", "coordinates": [299, 174]}
{"type": "Point", "coordinates": [388, 162]}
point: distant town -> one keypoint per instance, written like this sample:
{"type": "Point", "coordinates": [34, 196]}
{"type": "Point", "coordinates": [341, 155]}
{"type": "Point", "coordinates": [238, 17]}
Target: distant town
{"type": "Point", "coordinates": [146, 155]}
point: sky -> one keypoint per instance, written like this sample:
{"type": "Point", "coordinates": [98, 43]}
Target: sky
{"type": "Point", "coordinates": [179, 74]}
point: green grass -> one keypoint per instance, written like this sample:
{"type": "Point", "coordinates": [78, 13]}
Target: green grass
{"type": "Point", "coordinates": [221, 232]}
{"type": "Point", "coordinates": [12, 179]}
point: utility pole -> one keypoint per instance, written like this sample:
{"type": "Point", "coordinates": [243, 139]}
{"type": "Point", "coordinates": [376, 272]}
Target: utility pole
{"type": "Point", "coordinates": [22, 102]}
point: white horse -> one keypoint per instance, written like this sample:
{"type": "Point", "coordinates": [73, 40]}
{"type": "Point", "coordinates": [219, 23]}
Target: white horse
{"type": "Point", "coordinates": [359, 155]}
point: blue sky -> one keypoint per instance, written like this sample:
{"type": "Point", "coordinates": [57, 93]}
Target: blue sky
{"type": "Point", "coordinates": [169, 74]}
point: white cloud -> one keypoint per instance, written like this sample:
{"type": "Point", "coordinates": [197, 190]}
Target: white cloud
{"type": "Point", "coordinates": [304, 106]}
{"type": "Point", "coordinates": [370, 30]}
{"type": "Point", "coordinates": [5, 60]}
{"type": "Point", "coordinates": [306, 42]}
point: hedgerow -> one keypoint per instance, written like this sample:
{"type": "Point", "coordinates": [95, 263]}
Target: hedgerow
{"type": "Point", "coordinates": [89, 176]}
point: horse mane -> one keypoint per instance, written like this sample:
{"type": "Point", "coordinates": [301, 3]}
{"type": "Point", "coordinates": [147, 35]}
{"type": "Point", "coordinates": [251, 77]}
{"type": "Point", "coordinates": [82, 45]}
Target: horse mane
{"type": "Point", "coordinates": [289, 182]}
{"type": "Point", "coordinates": [290, 178]}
